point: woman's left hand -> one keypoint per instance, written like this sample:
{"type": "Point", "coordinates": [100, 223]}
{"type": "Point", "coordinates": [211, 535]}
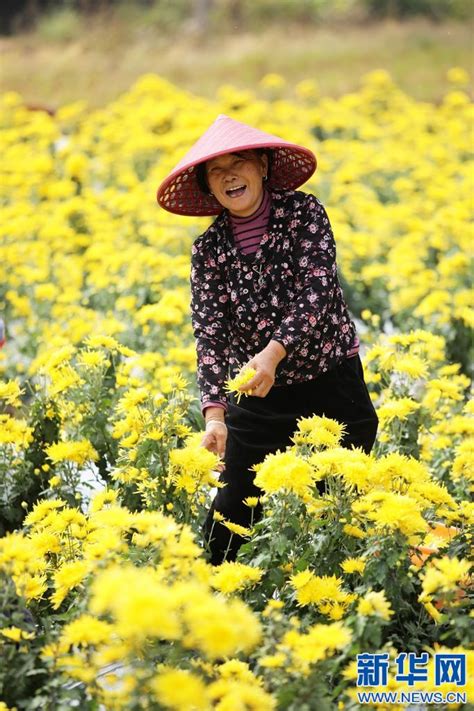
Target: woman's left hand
{"type": "Point", "coordinates": [265, 363]}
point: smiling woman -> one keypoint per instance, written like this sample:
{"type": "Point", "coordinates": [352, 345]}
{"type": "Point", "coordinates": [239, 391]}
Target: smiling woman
{"type": "Point", "coordinates": [265, 294]}
{"type": "Point", "coordinates": [235, 180]}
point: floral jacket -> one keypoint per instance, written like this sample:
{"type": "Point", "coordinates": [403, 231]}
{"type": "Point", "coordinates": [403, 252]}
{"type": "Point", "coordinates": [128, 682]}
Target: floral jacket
{"type": "Point", "coordinates": [288, 291]}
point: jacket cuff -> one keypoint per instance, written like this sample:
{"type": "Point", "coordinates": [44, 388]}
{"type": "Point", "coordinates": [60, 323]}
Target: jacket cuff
{"type": "Point", "coordinates": [213, 403]}
{"type": "Point", "coordinates": [287, 339]}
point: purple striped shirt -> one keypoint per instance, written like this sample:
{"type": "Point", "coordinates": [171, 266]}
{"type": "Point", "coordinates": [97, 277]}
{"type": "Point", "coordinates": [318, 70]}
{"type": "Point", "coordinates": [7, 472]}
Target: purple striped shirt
{"type": "Point", "coordinates": [248, 230]}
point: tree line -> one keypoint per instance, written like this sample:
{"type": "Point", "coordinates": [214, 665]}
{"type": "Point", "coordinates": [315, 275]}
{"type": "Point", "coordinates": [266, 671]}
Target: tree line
{"type": "Point", "coordinates": [19, 15]}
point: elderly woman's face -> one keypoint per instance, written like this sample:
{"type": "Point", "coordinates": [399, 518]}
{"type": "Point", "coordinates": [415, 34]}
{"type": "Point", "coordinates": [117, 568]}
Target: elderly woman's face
{"type": "Point", "coordinates": [235, 179]}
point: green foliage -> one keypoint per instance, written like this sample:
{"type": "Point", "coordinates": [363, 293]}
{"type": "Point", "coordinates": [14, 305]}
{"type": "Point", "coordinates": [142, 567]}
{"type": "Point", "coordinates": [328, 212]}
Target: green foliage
{"type": "Point", "coordinates": [27, 681]}
{"type": "Point", "coordinates": [60, 25]}
{"type": "Point", "coordinates": [162, 15]}
{"type": "Point", "coordinates": [61, 20]}
{"type": "Point", "coordinates": [434, 9]}
{"type": "Point", "coordinates": [23, 480]}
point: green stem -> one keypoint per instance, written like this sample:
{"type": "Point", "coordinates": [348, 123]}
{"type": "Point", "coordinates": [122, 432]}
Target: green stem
{"type": "Point", "coordinates": [284, 512]}
{"type": "Point", "coordinates": [228, 546]}
{"type": "Point", "coordinates": [208, 541]}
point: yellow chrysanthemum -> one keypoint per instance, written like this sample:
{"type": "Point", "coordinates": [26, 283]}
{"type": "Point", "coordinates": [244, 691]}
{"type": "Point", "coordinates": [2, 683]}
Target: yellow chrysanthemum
{"type": "Point", "coordinates": [232, 576]}
{"type": "Point", "coordinates": [78, 452]}
{"type": "Point", "coordinates": [192, 467]}
{"type": "Point", "coordinates": [180, 690]}
{"type": "Point", "coordinates": [284, 471]}
{"type": "Point", "coordinates": [375, 604]}
{"type": "Point", "coordinates": [353, 565]}
{"type": "Point", "coordinates": [11, 392]}
{"type": "Point", "coordinates": [243, 377]}
{"type": "Point", "coordinates": [236, 528]}
{"type": "Point", "coordinates": [444, 575]}
{"type": "Point", "coordinates": [399, 409]}
{"type": "Point", "coordinates": [319, 431]}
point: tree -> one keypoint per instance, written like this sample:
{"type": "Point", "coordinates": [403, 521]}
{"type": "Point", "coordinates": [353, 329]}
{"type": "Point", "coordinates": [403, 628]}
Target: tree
{"type": "Point", "coordinates": [202, 15]}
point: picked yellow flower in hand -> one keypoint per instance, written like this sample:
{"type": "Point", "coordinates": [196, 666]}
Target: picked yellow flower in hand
{"type": "Point", "coordinates": [243, 377]}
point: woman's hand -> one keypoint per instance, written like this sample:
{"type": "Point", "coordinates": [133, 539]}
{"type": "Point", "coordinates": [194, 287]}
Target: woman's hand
{"type": "Point", "coordinates": [215, 437]}
{"type": "Point", "coordinates": [265, 363]}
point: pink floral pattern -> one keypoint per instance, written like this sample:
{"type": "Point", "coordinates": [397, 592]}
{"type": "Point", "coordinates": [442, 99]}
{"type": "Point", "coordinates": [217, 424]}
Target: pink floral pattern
{"type": "Point", "coordinates": [287, 291]}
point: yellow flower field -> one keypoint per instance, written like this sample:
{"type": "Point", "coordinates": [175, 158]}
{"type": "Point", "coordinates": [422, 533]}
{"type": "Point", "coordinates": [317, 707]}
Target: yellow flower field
{"type": "Point", "coordinates": [107, 599]}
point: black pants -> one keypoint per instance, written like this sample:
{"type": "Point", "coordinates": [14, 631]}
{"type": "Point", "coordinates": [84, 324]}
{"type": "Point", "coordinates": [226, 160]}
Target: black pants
{"type": "Point", "coordinates": [260, 426]}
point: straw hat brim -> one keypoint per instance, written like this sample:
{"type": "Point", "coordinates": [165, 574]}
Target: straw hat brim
{"type": "Point", "coordinates": [292, 165]}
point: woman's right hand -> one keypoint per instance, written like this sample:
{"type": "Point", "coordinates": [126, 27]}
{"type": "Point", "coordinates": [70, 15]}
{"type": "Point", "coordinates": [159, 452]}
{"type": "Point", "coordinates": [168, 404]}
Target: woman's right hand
{"type": "Point", "coordinates": [215, 438]}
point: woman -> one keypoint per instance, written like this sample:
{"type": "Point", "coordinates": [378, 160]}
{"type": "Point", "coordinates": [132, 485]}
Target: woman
{"type": "Point", "coordinates": [265, 293]}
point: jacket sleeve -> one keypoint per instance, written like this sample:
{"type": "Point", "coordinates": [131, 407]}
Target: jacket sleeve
{"type": "Point", "coordinates": [209, 317]}
{"type": "Point", "coordinates": [316, 283]}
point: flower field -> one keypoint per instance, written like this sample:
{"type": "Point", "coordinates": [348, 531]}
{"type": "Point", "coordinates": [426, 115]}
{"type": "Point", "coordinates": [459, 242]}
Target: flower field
{"type": "Point", "coordinates": [107, 601]}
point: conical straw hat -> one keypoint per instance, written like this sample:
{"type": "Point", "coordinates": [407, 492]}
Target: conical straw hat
{"type": "Point", "coordinates": [292, 165]}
